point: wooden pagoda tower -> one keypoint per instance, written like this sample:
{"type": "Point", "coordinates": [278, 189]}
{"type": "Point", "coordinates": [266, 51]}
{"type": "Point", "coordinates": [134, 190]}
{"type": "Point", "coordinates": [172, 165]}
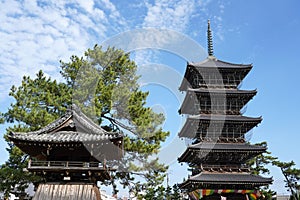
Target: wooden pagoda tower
{"type": "Point", "coordinates": [70, 154]}
{"type": "Point", "coordinates": [218, 154]}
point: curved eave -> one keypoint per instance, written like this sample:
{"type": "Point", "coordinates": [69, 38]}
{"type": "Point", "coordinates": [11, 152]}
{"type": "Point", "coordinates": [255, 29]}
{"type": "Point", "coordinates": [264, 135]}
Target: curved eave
{"type": "Point", "coordinates": [193, 93]}
{"type": "Point", "coordinates": [225, 179]}
{"type": "Point", "coordinates": [61, 137]}
{"type": "Point", "coordinates": [205, 91]}
{"type": "Point", "coordinates": [192, 123]}
{"type": "Point", "coordinates": [211, 64]}
{"type": "Point", "coordinates": [225, 118]}
{"type": "Point", "coordinates": [81, 129]}
{"type": "Point", "coordinates": [193, 150]}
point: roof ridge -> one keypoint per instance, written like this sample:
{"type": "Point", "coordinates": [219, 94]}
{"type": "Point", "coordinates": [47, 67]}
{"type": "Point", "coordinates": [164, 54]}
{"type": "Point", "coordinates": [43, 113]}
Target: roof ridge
{"type": "Point", "coordinates": [218, 89]}
{"type": "Point", "coordinates": [213, 61]}
{"type": "Point", "coordinates": [76, 114]}
{"type": "Point", "coordinates": [239, 64]}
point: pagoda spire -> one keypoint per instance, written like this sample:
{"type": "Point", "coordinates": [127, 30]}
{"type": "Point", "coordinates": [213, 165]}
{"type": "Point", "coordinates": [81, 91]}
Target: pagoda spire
{"type": "Point", "coordinates": [210, 48]}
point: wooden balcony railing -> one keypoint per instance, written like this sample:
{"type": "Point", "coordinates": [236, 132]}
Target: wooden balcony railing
{"type": "Point", "coordinates": [225, 168]}
{"type": "Point", "coordinates": [72, 165]}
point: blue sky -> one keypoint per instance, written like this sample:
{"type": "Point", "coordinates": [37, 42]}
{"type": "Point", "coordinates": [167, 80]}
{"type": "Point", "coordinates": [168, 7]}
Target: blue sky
{"type": "Point", "coordinates": [37, 34]}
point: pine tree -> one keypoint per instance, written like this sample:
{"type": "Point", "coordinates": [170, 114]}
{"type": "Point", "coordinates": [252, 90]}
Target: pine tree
{"type": "Point", "coordinates": [103, 83]}
{"type": "Point", "coordinates": [259, 166]}
{"type": "Point", "coordinates": [292, 177]}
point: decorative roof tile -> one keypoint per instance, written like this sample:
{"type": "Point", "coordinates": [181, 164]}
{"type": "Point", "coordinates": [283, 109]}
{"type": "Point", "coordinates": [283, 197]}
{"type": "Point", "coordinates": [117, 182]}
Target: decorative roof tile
{"type": "Point", "coordinates": [79, 128]}
{"type": "Point", "coordinates": [226, 146]}
{"type": "Point", "coordinates": [236, 118]}
{"type": "Point", "coordinates": [211, 62]}
{"type": "Point", "coordinates": [220, 152]}
{"type": "Point", "coordinates": [223, 92]}
{"type": "Point", "coordinates": [226, 179]}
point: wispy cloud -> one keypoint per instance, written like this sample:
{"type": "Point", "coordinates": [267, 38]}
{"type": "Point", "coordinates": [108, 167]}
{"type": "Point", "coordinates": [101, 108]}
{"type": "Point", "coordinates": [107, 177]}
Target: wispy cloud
{"type": "Point", "coordinates": [164, 14]}
{"type": "Point", "coordinates": [169, 14]}
{"type": "Point", "coordinates": [37, 34]}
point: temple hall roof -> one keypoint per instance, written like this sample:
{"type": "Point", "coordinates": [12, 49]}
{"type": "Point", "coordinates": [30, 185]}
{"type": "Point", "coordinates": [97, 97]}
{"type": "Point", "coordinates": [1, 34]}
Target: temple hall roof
{"type": "Point", "coordinates": [74, 126]}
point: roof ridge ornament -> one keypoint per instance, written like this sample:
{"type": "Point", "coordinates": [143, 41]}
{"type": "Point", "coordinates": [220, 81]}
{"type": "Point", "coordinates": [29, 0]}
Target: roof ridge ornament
{"type": "Point", "coordinates": [210, 48]}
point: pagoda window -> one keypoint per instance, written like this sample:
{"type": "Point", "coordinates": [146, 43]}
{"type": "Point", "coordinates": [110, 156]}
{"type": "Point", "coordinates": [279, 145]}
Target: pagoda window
{"type": "Point", "coordinates": [234, 104]}
{"type": "Point", "coordinates": [208, 106]}
{"type": "Point", "coordinates": [239, 130]}
{"type": "Point", "coordinates": [231, 80]}
{"type": "Point", "coordinates": [230, 106]}
{"type": "Point", "coordinates": [239, 77]}
{"type": "Point", "coordinates": [230, 129]}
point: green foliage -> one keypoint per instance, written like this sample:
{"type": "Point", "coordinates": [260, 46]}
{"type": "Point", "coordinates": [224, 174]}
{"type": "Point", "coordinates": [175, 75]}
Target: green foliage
{"type": "Point", "coordinates": [176, 193]}
{"type": "Point", "coordinates": [2, 119]}
{"type": "Point", "coordinates": [161, 193]}
{"type": "Point", "coordinates": [38, 102]}
{"type": "Point", "coordinates": [106, 81]}
{"type": "Point", "coordinates": [259, 163]}
{"type": "Point", "coordinates": [259, 166]}
{"type": "Point", "coordinates": [12, 174]}
{"type": "Point", "coordinates": [103, 83]}
{"type": "Point", "coordinates": [291, 175]}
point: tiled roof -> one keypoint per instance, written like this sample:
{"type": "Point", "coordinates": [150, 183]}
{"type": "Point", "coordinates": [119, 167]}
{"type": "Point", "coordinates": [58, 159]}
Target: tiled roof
{"type": "Point", "coordinates": [214, 62]}
{"type": "Point", "coordinates": [62, 136]}
{"type": "Point", "coordinates": [226, 146]}
{"type": "Point", "coordinates": [236, 118]}
{"type": "Point", "coordinates": [226, 179]}
{"type": "Point", "coordinates": [79, 129]}
{"type": "Point", "coordinates": [220, 152]}
{"type": "Point", "coordinates": [226, 91]}
{"type": "Point", "coordinates": [193, 122]}
{"type": "Point", "coordinates": [225, 96]}
{"type": "Point", "coordinates": [215, 66]}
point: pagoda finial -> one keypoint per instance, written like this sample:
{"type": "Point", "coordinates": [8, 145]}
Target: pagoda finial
{"type": "Point", "coordinates": [210, 48]}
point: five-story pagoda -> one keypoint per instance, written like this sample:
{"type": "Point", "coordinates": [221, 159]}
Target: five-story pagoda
{"type": "Point", "coordinates": [219, 151]}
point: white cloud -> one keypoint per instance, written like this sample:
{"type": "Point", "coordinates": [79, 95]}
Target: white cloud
{"type": "Point", "coordinates": [37, 34]}
{"type": "Point", "coordinates": [169, 14]}
{"type": "Point", "coordinates": [163, 14]}
{"type": "Point", "coordinates": [87, 5]}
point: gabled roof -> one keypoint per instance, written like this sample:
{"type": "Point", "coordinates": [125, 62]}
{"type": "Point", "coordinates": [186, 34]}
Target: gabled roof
{"type": "Point", "coordinates": [232, 179]}
{"type": "Point", "coordinates": [74, 126]}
